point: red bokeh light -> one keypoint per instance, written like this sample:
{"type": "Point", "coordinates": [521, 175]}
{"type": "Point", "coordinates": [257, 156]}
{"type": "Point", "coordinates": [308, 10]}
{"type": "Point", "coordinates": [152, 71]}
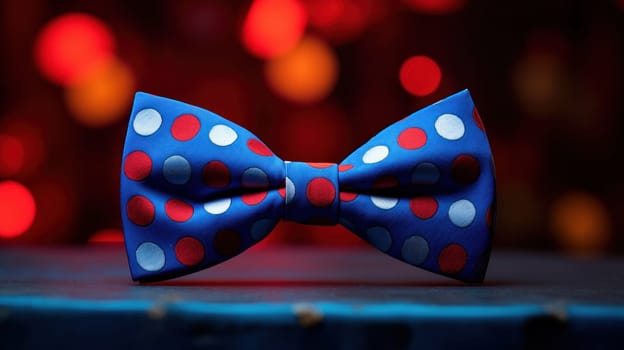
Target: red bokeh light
{"type": "Point", "coordinates": [108, 235]}
{"type": "Point", "coordinates": [11, 155]}
{"type": "Point", "coordinates": [344, 20]}
{"type": "Point", "coordinates": [420, 75]}
{"type": "Point", "coordinates": [17, 209]}
{"type": "Point", "coordinates": [69, 46]}
{"type": "Point", "coordinates": [436, 7]}
{"type": "Point", "coordinates": [273, 27]}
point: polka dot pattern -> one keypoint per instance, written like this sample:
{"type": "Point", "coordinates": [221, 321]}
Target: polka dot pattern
{"type": "Point", "coordinates": [189, 251]}
{"type": "Point", "coordinates": [375, 154]}
{"type": "Point", "coordinates": [452, 259]}
{"type": "Point", "coordinates": [178, 210]}
{"type": "Point", "coordinates": [412, 138]}
{"type": "Point", "coordinates": [423, 207]}
{"type": "Point", "coordinates": [320, 192]}
{"type": "Point", "coordinates": [140, 211]}
{"type": "Point", "coordinates": [379, 237]}
{"type": "Point", "coordinates": [150, 256]}
{"type": "Point", "coordinates": [216, 174]}
{"type": "Point", "coordinates": [177, 170]}
{"type": "Point", "coordinates": [147, 122]}
{"type": "Point", "coordinates": [417, 190]}
{"type": "Point", "coordinates": [218, 206]}
{"type": "Point", "coordinates": [450, 127]}
{"type": "Point", "coordinates": [138, 166]}
{"type": "Point", "coordinates": [222, 135]}
{"type": "Point", "coordinates": [259, 148]}
{"type": "Point", "coordinates": [185, 127]}
{"type": "Point", "coordinates": [465, 169]}
{"type": "Point", "coordinates": [462, 213]}
{"type": "Point", "coordinates": [415, 250]}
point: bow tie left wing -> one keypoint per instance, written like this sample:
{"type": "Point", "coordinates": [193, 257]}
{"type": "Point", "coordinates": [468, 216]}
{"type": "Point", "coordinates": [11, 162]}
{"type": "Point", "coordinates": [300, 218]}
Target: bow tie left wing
{"type": "Point", "coordinates": [422, 190]}
{"type": "Point", "coordinates": [196, 189]}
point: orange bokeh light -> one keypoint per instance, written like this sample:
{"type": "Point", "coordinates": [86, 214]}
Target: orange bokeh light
{"type": "Point", "coordinates": [103, 95]}
{"type": "Point", "coordinates": [273, 27]}
{"type": "Point", "coordinates": [420, 75]}
{"type": "Point", "coordinates": [306, 74]}
{"type": "Point", "coordinates": [436, 7]}
{"type": "Point", "coordinates": [71, 44]}
{"type": "Point", "coordinates": [581, 223]}
{"type": "Point", "coordinates": [17, 209]}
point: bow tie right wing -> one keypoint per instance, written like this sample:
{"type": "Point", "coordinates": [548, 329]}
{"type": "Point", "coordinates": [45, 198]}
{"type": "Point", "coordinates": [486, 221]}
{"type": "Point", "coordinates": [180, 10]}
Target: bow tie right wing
{"type": "Point", "coordinates": [196, 189]}
{"type": "Point", "coordinates": [423, 190]}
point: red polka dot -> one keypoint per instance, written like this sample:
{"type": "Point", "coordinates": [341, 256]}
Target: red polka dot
{"type": "Point", "coordinates": [253, 198]}
{"type": "Point", "coordinates": [320, 165]}
{"type": "Point", "coordinates": [465, 169]}
{"type": "Point", "coordinates": [137, 166]}
{"type": "Point", "coordinates": [320, 192]}
{"type": "Point", "coordinates": [412, 138]}
{"type": "Point", "coordinates": [227, 242]}
{"type": "Point", "coordinates": [140, 210]}
{"type": "Point", "coordinates": [424, 207]}
{"type": "Point", "coordinates": [347, 196]}
{"type": "Point", "coordinates": [216, 174]}
{"type": "Point", "coordinates": [185, 127]}
{"type": "Point", "coordinates": [477, 119]}
{"type": "Point", "coordinates": [385, 181]}
{"type": "Point", "coordinates": [282, 192]}
{"type": "Point", "coordinates": [178, 211]}
{"type": "Point", "coordinates": [259, 148]}
{"type": "Point", "coordinates": [345, 167]}
{"type": "Point", "coordinates": [189, 251]}
{"type": "Point", "coordinates": [452, 259]}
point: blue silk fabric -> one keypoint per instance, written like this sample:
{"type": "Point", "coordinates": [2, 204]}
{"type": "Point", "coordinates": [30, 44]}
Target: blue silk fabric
{"type": "Point", "coordinates": [197, 189]}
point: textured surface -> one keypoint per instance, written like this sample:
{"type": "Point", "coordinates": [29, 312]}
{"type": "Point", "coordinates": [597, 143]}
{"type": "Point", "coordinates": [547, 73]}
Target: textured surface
{"type": "Point", "coordinates": [306, 297]}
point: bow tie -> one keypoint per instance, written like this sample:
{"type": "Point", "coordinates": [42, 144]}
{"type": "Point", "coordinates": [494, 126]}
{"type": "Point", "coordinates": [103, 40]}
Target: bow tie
{"type": "Point", "coordinates": [197, 189]}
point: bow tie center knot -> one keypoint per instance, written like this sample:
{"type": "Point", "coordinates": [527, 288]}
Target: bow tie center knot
{"type": "Point", "coordinates": [311, 193]}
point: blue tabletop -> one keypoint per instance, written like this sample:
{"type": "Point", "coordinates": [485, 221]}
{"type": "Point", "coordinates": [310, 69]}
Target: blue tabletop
{"type": "Point", "coordinates": [314, 297]}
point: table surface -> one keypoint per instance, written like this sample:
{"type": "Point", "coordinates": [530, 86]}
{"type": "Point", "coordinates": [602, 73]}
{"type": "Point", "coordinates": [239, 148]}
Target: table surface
{"type": "Point", "coordinates": [310, 286]}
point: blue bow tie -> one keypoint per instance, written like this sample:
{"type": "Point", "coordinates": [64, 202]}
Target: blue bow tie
{"type": "Point", "coordinates": [197, 189]}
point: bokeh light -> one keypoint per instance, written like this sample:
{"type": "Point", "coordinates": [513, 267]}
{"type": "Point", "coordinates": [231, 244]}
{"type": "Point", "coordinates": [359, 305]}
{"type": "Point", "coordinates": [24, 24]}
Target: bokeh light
{"type": "Point", "coordinates": [102, 95]}
{"type": "Point", "coordinates": [273, 27]}
{"type": "Point", "coordinates": [420, 75]}
{"type": "Point", "coordinates": [306, 74]}
{"type": "Point", "coordinates": [343, 20]}
{"type": "Point", "coordinates": [11, 155]}
{"type": "Point", "coordinates": [436, 7]}
{"type": "Point", "coordinates": [17, 209]}
{"type": "Point", "coordinates": [581, 223]}
{"type": "Point", "coordinates": [69, 45]}
{"type": "Point", "coordinates": [107, 235]}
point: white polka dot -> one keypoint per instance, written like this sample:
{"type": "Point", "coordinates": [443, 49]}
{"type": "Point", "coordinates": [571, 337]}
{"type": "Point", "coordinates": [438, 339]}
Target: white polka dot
{"type": "Point", "coordinates": [385, 203]}
{"type": "Point", "coordinates": [462, 213]}
{"type": "Point", "coordinates": [222, 135]}
{"type": "Point", "coordinates": [150, 256]}
{"type": "Point", "coordinates": [375, 154]}
{"type": "Point", "coordinates": [147, 122]}
{"type": "Point", "coordinates": [415, 250]}
{"type": "Point", "coordinates": [261, 228]}
{"type": "Point", "coordinates": [218, 206]}
{"type": "Point", "coordinates": [379, 237]}
{"type": "Point", "coordinates": [255, 178]}
{"type": "Point", "coordinates": [449, 126]}
{"type": "Point", "coordinates": [290, 190]}
{"type": "Point", "coordinates": [177, 170]}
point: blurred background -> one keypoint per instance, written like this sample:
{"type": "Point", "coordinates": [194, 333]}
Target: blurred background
{"type": "Point", "coordinates": [547, 77]}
